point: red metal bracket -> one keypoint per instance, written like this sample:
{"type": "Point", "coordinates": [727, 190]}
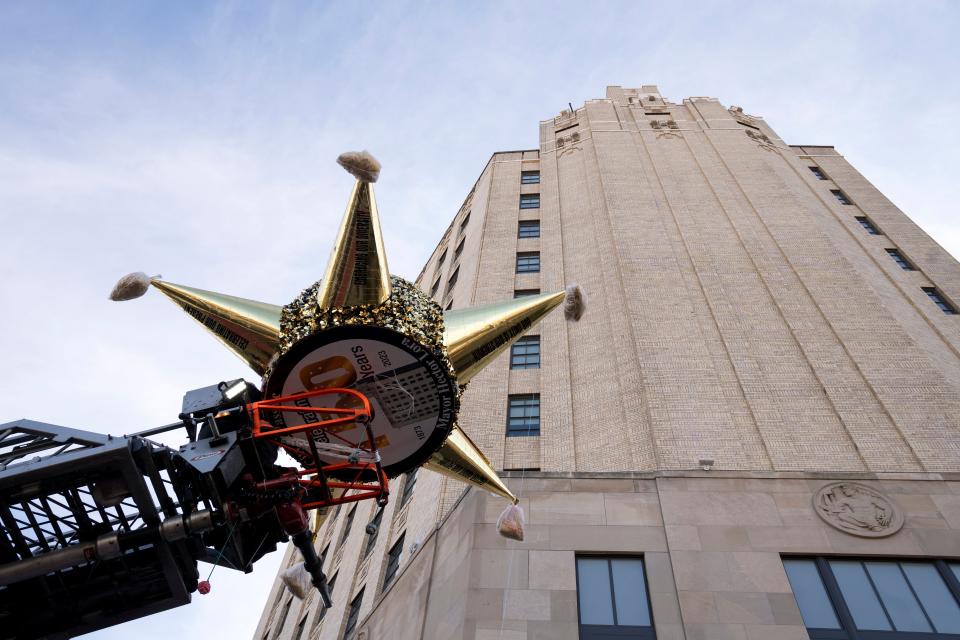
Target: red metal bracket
{"type": "Point", "coordinates": [359, 485]}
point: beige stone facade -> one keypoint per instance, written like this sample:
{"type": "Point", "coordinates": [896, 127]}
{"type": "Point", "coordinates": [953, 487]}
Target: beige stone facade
{"type": "Point", "coordinates": [743, 309]}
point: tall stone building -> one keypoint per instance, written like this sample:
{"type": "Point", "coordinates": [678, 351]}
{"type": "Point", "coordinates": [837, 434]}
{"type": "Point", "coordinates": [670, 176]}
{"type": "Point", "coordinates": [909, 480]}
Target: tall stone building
{"type": "Point", "coordinates": [753, 433]}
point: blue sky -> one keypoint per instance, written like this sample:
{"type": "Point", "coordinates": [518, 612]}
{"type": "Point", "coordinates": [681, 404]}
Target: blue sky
{"type": "Point", "coordinates": [198, 140]}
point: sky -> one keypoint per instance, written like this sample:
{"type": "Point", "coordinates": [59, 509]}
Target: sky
{"type": "Point", "coordinates": [197, 140]}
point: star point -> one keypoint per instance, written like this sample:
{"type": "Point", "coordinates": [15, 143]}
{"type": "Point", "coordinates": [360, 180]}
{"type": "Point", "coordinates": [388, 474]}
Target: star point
{"type": "Point", "coordinates": [348, 329]}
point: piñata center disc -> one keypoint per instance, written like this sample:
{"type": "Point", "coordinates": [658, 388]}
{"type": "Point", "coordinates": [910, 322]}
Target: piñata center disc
{"type": "Point", "coordinates": [409, 388]}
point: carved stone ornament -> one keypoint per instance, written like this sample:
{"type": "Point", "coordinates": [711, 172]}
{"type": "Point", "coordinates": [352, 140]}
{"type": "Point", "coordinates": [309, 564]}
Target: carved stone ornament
{"type": "Point", "coordinates": [665, 128]}
{"type": "Point", "coordinates": [740, 116]}
{"type": "Point", "coordinates": [759, 136]}
{"type": "Point", "coordinates": [664, 124]}
{"type": "Point", "coordinates": [762, 140]}
{"type": "Point", "coordinates": [857, 509]}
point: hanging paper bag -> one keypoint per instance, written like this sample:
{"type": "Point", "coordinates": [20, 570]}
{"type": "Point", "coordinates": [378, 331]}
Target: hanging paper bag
{"type": "Point", "coordinates": [297, 580]}
{"type": "Point", "coordinates": [510, 523]}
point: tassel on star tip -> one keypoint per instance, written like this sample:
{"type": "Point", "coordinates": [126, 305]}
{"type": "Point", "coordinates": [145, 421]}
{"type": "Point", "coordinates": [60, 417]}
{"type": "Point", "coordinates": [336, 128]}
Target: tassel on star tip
{"type": "Point", "coordinates": [574, 303]}
{"type": "Point", "coordinates": [133, 285]}
{"type": "Point", "coordinates": [361, 165]}
{"type": "Point", "coordinates": [511, 522]}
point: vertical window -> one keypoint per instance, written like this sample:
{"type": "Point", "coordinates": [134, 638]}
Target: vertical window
{"type": "Point", "coordinates": [811, 595]}
{"type": "Point", "coordinates": [840, 196]}
{"type": "Point", "coordinates": [528, 229]}
{"type": "Point", "coordinates": [347, 524]}
{"type": "Point", "coordinates": [322, 610]}
{"type": "Point", "coordinates": [408, 486]}
{"type": "Point", "coordinates": [852, 598]}
{"type": "Point", "coordinates": [372, 537]}
{"type": "Point", "coordinates": [525, 353]}
{"type": "Point", "coordinates": [528, 262]}
{"type": "Point", "coordinates": [393, 562]}
{"type": "Point", "coordinates": [523, 293]}
{"type": "Point", "coordinates": [443, 258]}
{"type": "Point", "coordinates": [900, 260]}
{"type": "Point", "coordinates": [464, 222]}
{"type": "Point", "coordinates": [453, 279]}
{"type": "Point", "coordinates": [612, 598]}
{"type": "Point", "coordinates": [939, 300]}
{"type": "Point", "coordinates": [818, 172]}
{"type": "Point", "coordinates": [529, 200]}
{"type": "Point", "coordinates": [529, 177]}
{"type": "Point", "coordinates": [353, 617]}
{"type": "Point", "coordinates": [435, 287]}
{"type": "Point", "coordinates": [449, 306]}
{"type": "Point", "coordinates": [459, 249]}
{"type": "Point", "coordinates": [283, 619]}
{"type": "Point", "coordinates": [323, 554]}
{"type": "Point", "coordinates": [523, 415]}
{"type": "Point", "coordinates": [869, 226]}
{"type": "Point", "coordinates": [300, 627]}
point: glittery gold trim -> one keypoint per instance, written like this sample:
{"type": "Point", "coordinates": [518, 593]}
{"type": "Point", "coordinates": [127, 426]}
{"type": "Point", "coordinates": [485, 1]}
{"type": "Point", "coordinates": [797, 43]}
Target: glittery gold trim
{"type": "Point", "coordinates": [408, 311]}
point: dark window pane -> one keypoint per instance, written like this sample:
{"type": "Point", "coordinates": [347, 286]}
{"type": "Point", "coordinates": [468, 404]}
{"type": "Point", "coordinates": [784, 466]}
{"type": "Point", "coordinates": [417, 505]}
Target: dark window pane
{"type": "Point", "coordinates": [528, 229]}
{"type": "Point", "coordinates": [525, 353]}
{"type": "Point", "coordinates": [523, 415]}
{"type": "Point", "coordinates": [283, 619]}
{"type": "Point", "coordinates": [939, 300]}
{"type": "Point", "coordinates": [811, 595]}
{"type": "Point", "coordinates": [530, 201]}
{"type": "Point", "coordinates": [630, 592]}
{"type": "Point", "coordinates": [459, 249]}
{"type": "Point", "coordinates": [859, 596]}
{"type": "Point", "coordinates": [522, 293]}
{"type": "Point", "coordinates": [818, 173]}
{"type": "Point", "coordinates": [393, 561]}
{"type": "Point", "coordinates": [900, 260]}
{"type": "Point", "coordinates": [465, 222]}
{"type": "Point", "coordinates": [353, 616]}
{"type": "Point", "coordinates": [300, 627]}
{"type": "Point", "coordinates": [869, 226]}
{"type": "Point", "coordinates": [408, 485]}
{"type": "Point", "coordinates": [897, 598]}
{"type": "Point", "coordinates": [840, 196]}
{"type": "Point", "coordinates": [347, 524]}
{"type": "Point", "coordinates": [593, 591]}
{"type": "Point", "coordinates": [528, 262]}
{"type": "Point", "coordinates": [530, 177]}
{"type": "Point", "coordinates": [936, 599]}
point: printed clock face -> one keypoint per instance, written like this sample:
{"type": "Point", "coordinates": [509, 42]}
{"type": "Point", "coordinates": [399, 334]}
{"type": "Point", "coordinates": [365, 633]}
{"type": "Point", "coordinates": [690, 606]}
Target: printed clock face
{"type": "Point", "coordinates": [411, 392]}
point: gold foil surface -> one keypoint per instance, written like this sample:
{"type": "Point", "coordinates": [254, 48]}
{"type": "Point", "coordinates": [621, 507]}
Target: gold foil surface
{"type": "Point", "coordinates": [407, 311]}
{"type": "Point", "coordinates": [357, 271]}
{"type": "Point", "coordinates": [249, 328]}
{"type": "Point", "coordinates": [459, 458]}
{"type": "Point", "coordinates": [475, 336]}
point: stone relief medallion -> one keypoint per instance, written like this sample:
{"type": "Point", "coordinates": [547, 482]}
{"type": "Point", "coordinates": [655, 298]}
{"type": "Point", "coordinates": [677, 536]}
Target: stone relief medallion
{"type": "Point", "coordinates": [857, 509]}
